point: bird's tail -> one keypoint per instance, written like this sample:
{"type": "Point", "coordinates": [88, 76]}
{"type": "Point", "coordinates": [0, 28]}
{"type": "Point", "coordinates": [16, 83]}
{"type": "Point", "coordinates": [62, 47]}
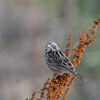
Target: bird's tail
{"type": "Point", "coordinates": [79, 76]}
{"type": "Point", "coordinates": [75, 73]}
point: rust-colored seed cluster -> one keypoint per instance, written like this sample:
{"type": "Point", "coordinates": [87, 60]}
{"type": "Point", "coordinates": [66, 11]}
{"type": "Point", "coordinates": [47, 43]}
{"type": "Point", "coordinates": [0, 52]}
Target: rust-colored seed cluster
{"type": "Point", "coordinates": [85, 40]}
{"type": "Point", "coordinates": [68, 45]}
{"type": "Point", "coordinates": [56, 87]}
{"type": "Point", "coordinates": [60, 86]}
{"type": "Point", "coordinates": [44, 88]}
{"type": "Point", "coordinates": [33, 96]}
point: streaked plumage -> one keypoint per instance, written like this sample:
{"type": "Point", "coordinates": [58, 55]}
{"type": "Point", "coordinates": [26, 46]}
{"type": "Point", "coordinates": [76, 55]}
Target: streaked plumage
{"type": "Point", "coordinates": [57, 61]}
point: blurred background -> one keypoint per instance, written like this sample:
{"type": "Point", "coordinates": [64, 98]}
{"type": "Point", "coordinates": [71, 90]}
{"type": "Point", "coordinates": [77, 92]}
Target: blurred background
{"type": "Point", "coordinates": [26, 26]}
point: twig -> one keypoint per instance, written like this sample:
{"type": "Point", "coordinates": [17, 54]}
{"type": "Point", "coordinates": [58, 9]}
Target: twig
{"type": "Point", "coordinates": [73, 48]}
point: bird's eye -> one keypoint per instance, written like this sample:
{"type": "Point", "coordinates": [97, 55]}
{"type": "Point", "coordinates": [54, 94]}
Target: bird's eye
{"type": "Point", "coordinates": [72, 68]}
{"type": "Point", "coordinates": [45, 49]}
{"type": "Point", "coordinates": [54, 47]}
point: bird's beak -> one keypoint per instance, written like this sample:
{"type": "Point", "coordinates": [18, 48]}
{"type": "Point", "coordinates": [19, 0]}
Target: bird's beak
{"type": "Point", "coordinates": [49, 46]}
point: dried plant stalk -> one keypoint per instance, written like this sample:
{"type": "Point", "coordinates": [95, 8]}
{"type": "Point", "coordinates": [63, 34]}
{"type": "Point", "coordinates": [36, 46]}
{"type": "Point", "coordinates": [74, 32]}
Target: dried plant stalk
{"type": "Point", "coordinates": [55, 88]}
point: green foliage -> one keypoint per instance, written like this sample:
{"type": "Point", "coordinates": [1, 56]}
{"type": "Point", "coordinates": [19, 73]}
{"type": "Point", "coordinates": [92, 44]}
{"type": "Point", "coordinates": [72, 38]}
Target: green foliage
{"type": "Point", "coordinates": [91, 7]}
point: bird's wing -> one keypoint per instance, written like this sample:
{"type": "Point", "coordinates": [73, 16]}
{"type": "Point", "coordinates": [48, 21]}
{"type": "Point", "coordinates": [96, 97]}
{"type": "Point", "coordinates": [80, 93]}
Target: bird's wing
{"type": "Point", "coordinates": [65, 61]}
{"type": "Point", "coordinates": [59, 58]}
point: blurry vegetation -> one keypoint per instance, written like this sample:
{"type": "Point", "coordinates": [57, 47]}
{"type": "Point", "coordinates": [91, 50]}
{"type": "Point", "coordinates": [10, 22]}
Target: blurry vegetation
{"type": "Point", "coordinates": [25, 27]}
{"type": "Point", "coordinates": [88, 7]}
{"type": "Point", "coordinates": [59, 87]}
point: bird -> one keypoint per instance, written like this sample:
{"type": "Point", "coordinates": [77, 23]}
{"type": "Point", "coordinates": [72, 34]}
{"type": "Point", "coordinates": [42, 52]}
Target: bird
{"type": "Point", "coordinates": [58, 62]}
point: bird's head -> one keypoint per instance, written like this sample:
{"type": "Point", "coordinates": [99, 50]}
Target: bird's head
{"type": "Point", "coordinates": [51, 46]}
